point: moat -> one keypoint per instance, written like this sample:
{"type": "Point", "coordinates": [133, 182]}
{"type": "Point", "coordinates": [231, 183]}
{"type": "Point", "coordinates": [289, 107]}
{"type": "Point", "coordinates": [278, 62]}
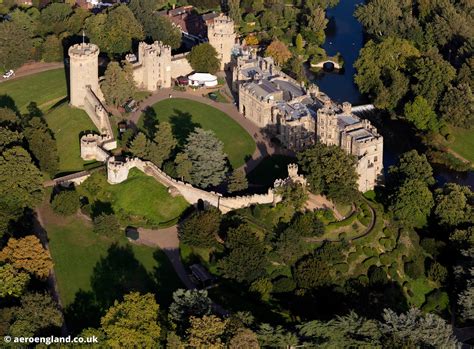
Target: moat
{"type": "Point", "coordinates": [345, 35]}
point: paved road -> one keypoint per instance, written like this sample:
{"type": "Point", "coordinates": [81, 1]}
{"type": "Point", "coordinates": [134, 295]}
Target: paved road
{"type": "Point", "coordinates": [33, 68]}
{"type": "Point", "coordinates": [264, 146]}
{"type": "Point", "coordinates": [167, 240]}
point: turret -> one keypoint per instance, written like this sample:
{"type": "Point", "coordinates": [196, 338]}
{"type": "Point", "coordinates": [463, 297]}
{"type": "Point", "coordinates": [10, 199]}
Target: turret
{"type": "Point", "coordinates": [221, 35]}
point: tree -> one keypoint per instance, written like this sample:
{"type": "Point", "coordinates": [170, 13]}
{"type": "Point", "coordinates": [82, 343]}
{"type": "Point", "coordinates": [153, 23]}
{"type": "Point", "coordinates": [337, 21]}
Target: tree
{"type": "Point", "coordinates": [66, 202]}
{"type": "Point", "coordinates": [188, 303]}
{"type": "Point", "coordinates": [132, 322]}
{"type": "Point", "coordinates": [76, 21]}
{"type": "Point", "coordinates": [237, 181]}
{"type": "Point", "coordinates": [411, 203]}
{"type": "Point", "coordinates": [16, 45]}
{"type": "Point", "coordinates": [183, 167]}
{"type": "Point", "coordinates": [42, 144]}
{"type": "Point", "coordinates": [433, 75]}
{"type": "Point", "coordinates": [201, 229]}
{"type": "Point", "coordinates": [204, 59]}
{"type": "Point", "coordinates": [420, 113]}
{"type": "Point", "coordinates": [246, 259]}
{"type": "Point", "coordinates": [234, 11]}
{"type": "Point", "coordinates": [37, 311]}
{"type": "Point", "coordinates": [279, 52]}
{"type": "Point", "coordinates": [411, 166]}
{"type": "Point", "coordinates": [244, 339]}
{"type": "Point", "coordinates": [454, 205]}
{"type": "Point", "coordinates": [209, 162]}
{"type": "Point", "coordinates": [140, 146]}
{"type": "Point", "coordinates": [457, 106]}
{"type": "Point", "coordinates": [466, 299]}
{"type": "Point", "coordinates": [9, 138]}
{"type": "Point", "coordinates": [349, 331]}
{"type": "Point", "coordinates": [275, 337]}
{"type": "Point", "coordinates": [28, 254]}
{"type": "Point", "coordinates": [331, 171]}
{"type": "Point", "coordinates": [163, 145]}
{"type": "Point", "coordinates": [107, 225]}
{"type": "Point", "coordinates": [52, 49]}
{"type": "Point", "coordinates": [380, 17]}
{"type": "Point", "coordinates": [156, 26]}
{"type": "Point", "coordinates": [206, 332]}
{"type": "Point", "coordinates": [380, 64]}
{"type": "Point", "coordinates": [118, 85]}
{"type": "Point", "coordinates": [53, 18]}
{"type": "Point", "coordinates": [415, 329]}
{"type": "Point", "coordinates": [20, 184]}
{"type": "Point", "coordinates": [437, 272]}
{"type": "Point", "coordinates": [299, 43]}
{"type": "Point", "coordinates": [12, 282]}
{"type": "Point", "coordinates": [114, 30]}
{"type": "Point", "coordinates": [315, 23]}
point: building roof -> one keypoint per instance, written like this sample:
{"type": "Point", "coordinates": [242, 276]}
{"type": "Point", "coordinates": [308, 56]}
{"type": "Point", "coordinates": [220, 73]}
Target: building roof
{"type": "Point", "coordinates": [361, 134]}
{"type": "Point", "coordinates": [202, 77]}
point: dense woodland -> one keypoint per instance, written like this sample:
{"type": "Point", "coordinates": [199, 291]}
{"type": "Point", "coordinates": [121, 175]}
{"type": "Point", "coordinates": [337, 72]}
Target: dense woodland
{"type": "Point", "coordinates": [396, 272]}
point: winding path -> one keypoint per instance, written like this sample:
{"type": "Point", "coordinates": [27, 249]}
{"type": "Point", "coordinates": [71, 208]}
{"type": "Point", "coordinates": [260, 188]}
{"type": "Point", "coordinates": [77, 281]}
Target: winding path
{"type": "Point", "coordinates": [33, 68]}
{"type": "Point", "coordinates": [264, 147]}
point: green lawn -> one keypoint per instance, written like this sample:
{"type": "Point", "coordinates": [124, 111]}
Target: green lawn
{"type": "Point", "coordinates": [67, 124]}
{"type": "Point", "coordinates": [41, 88]}
{"type": "Point", "coordinates": [93, 271]}
{"type": "Point", "coordinates": [269, 169]}
{"type": "Point", "coordinates": [184, 115]}
{"type": "Point", "coordinates": [464, 143]}
{"type": "Point", "coordinates": [139, 201]}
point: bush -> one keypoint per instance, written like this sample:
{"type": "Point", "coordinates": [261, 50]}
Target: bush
{"type": "Point", "coordinates": [66, 202]}
{"type": "Point", "coordinates": [369, 251]}
{"type": "Point", "coordinates": [342, 236]}
{"type": "Point", "coordinates": [437, 272]}
{"type": "Point", "coordinates": [283, 285]}
{"type": "Point", "coordinates": [444, 130]}
{"type": "Point", "coordinates": [370, 261]}
{"type": "Point", "coordinates": [385, 259]}
{"type": "Point", "coordinates": [450, 138]}
{"type": "Point", "coordinates": [392, 271]}
{"type": "Point", "coordinates": [436, 302]}
{"type": "Point", "coordinates": [387, 243]}
{"type": "Point", "coordinates": [352, 257]}
{"type": "Point", "coordinates": [342, 267]}
{"type": "Point", "coordinates": [107, 225]}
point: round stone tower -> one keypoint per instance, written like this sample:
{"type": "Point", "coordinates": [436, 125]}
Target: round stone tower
{"type": "Point", "coordinates": [221, 35]}
{"type": "Point", "coordinates": [83, 72]}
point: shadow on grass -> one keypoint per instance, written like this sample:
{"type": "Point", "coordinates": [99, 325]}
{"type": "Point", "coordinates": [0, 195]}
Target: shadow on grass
{"type": "Point", "coordinates": [182, 125]}
{"type": "Point", "coordinates": [150, 122]}
{"type": "Point", "coordinates": [115, 275]}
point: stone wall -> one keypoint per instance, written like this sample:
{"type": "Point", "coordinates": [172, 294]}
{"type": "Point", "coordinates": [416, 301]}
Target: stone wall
{"type": "Point", "coordinates": [117, 172]}
{"type": "Point", "coordinates": [180, 66]}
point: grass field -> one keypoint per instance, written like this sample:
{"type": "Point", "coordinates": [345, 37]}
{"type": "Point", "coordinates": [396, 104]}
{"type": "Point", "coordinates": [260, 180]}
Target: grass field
{"type": "Point", "coordinates": [42, 88]}
{"type": "Point", "coordinates": [184, 115]}
{"type": "Point", "coordinates": [93, 271]}
{"type": "Point", "coordinates": [67, 124]}
{"type": "Point", "coordinates": [140, 200]}
{"type": "Point", "coordinates": [464, 143]}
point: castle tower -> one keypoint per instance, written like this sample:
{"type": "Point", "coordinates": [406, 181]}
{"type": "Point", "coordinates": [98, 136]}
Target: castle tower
{"type": "Point", "coordinates": [154, 69]}
{"type": "Point", "coordinates": [83, 72]}
{"type": "Point", "coordinates": [221, 35]}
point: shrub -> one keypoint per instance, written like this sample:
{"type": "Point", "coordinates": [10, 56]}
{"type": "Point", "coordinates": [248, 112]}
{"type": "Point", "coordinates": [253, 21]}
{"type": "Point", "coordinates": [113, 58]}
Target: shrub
{"type": "Point", "coordinates": [352, 257]}
{"type": "Point", "coordinates": [107, 225]}
{"type": "Point", "coordinates": [377, 275]}
{"type": "Point", "coordinates": [342, 236]}
{"type": "Point", "coordinates": [283, 285]}
{"type": "Point", "coordinates": [437, 272]}
{"type": "Point", "coordinates": [370, 261]}
{"type": "Point", "coordinates": [436, 301]}
{"type": "Point", "coordinates": [444, 130]}
{"type": "Point", "coordinates": [392, 271]}
{"type": "Point", "coordinates": [450, 138]}
{"type": "Point", "coordinates": [385, 259]}
{"type": "Point", "coordinates": [369, 251]}
{"type": "Point", "coordinates": [342, 267]}
{"type": "Point", "coordinates": [66, 202]}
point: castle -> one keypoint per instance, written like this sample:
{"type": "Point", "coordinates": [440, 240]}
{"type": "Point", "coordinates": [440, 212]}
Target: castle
{"type": "Point", "coordinates": [298, 116]}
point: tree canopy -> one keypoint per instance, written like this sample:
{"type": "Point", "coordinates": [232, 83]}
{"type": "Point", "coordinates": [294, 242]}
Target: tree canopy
{"type": "Point", "coordinates": [203, 58]}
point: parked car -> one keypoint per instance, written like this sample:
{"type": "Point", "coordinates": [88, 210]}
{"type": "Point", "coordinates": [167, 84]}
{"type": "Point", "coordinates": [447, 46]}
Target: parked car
{"type": "Point", "coordinates": [9, 74]}
{"type": "Point", "coordinates": [131, 106]}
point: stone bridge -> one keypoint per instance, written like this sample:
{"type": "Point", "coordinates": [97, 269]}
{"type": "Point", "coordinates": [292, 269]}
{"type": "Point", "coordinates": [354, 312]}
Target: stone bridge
{"type": "Point", "coordinates": [322, 63]}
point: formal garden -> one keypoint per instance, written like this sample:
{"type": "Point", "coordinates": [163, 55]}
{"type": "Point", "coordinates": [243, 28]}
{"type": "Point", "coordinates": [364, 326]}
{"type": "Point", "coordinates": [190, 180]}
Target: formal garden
{"type": "Point", "coordinates": [185, 115]}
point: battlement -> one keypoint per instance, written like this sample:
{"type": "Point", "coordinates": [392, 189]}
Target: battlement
{"type": "Point", "coordinates": [84, 50]}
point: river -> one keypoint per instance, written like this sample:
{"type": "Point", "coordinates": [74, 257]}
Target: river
{"type": "Point", "coordinates": [344, 34]}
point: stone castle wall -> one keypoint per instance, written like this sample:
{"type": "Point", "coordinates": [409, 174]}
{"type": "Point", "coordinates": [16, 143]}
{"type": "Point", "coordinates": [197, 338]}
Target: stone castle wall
{"type": "Point", "coordinates": [180, 66]}
{"type": "Point", "coordinates": [117, 172]}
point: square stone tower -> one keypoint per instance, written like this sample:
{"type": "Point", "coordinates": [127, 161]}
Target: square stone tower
{"type": "Point", "coordinates": [83, 72]}
{"type": "Point", "coordinates": [153, 69]}
{"type": "Point", "coordinates": [221, 35]}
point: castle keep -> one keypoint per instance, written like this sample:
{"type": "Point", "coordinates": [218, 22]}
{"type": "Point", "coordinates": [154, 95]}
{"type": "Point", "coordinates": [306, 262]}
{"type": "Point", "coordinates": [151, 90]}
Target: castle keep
{"type": "Point", "coordinates": [299, 116]}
